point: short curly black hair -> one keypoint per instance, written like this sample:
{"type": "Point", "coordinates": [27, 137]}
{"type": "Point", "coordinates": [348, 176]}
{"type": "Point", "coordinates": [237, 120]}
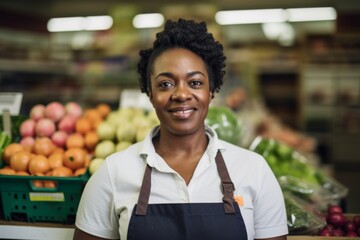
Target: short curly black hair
{"type": "Point", "coordinates": [189, 35]}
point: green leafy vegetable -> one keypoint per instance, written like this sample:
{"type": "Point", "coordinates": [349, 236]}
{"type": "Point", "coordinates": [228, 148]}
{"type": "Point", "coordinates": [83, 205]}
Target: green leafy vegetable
{"type": "Point", "coordinates": [225, 123]}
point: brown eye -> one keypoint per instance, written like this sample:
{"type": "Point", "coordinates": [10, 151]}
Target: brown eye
{"type": "Point", "coordinates": [195, 83]}
{"type": "Point", "coordinates": [165, 84]}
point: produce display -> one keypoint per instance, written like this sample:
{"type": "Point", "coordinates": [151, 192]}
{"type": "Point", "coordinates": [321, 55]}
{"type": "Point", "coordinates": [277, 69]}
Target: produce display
{"type": "Point", "coordinates": [65, 140]}
{"type": "Point", "coordinates": [298, 175]}
{"type": "Point", "coordinates": [55, 140]}
{"type": "Point", "coordinates": [302, 180]}
{"type": "Point", "coordinates": [340, 225]}
{"type": "Point", "coordinates": [119, 130]}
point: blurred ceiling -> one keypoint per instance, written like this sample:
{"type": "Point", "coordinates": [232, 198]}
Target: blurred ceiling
{"type": "Point", "coordinates": [39, 11]}
{"type": "Point", "coordinates": [63, 8]}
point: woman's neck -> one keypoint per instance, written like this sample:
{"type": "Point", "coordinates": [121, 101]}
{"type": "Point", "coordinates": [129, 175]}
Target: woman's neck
{"type": "Point", "coordinates": [166, 142]}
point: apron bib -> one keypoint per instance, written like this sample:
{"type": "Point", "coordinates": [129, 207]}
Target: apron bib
{"type": "Point", "coordinates": [188, 221]}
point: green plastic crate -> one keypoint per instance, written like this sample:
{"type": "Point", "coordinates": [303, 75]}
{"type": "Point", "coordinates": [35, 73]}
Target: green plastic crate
{"type": "Point", "coordinates": [22, 201]}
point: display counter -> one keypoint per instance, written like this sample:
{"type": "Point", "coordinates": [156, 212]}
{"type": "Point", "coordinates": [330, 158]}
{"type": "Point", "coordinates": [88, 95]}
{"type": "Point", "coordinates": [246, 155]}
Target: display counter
{"type": "Point", "coordinates": [35, 231]}
{"type": "Point", "coordinates": [46, 231]}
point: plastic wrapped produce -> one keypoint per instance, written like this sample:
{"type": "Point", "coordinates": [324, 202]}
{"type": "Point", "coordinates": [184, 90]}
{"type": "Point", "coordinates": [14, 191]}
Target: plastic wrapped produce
{"type": "Point", "coordinates": [298, 174]}
{"type": "Point", "coordinates": [300, 220]}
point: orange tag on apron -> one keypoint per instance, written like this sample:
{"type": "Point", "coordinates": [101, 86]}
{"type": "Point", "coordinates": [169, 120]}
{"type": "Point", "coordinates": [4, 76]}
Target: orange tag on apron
{"type": "Point", "coordinates": [239, 200]}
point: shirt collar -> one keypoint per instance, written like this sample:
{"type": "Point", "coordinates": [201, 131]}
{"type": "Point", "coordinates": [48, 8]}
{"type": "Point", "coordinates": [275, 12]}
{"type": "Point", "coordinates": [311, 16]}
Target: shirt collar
{"type": "Point", "coordinates": [147, 151]}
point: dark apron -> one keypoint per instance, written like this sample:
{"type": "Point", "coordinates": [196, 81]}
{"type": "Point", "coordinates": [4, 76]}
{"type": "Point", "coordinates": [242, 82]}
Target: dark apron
{"type": "Point", "coordinates": [201, 221]}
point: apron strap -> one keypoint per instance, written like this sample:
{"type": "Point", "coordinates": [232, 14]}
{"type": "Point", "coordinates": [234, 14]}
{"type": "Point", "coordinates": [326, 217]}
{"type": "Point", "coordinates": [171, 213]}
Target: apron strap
{"type": "Point", "coordinates": [143, 200]}
{"type": "Point", "coordinates": [227, 185]}
{"type": "Point", "coordinates": [227, 188]}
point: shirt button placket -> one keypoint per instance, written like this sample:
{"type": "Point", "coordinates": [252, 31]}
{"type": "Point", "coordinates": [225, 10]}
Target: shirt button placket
{"type": "Point", "coordinates": [182, 188]}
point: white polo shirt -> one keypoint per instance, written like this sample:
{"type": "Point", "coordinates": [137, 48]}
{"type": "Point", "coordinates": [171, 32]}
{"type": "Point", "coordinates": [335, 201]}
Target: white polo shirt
{"type": "Point", "coordinates": [111, 193]}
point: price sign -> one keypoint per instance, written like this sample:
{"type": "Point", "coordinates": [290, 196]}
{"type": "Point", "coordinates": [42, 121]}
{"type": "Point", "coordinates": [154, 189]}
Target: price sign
{"type": "Point", "coordinates": [134, 98]}
{"type": "Point", "coordinates": [10, 101]}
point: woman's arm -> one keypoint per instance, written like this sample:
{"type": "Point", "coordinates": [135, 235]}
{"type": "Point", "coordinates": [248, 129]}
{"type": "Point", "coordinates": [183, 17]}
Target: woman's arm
{"type": "Point", "coordinates": [81, 235]}
{"type": "Point", "coordinates": [274, 238]}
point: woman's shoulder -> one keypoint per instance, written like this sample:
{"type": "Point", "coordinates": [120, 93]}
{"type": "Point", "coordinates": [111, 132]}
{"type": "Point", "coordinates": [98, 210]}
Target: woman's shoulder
{"type": "Point", "coordinates": [128, 156]}
{"type": "Point", "coordinates": [229, 149]}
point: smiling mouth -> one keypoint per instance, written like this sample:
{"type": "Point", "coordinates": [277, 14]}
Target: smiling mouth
{"type": "Point", "coordinates": [182, 114]}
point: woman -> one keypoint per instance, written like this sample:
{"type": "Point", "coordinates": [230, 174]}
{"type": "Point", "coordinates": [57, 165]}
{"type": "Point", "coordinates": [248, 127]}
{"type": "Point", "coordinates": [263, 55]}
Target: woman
{"type": "Point", "coordinates": [182, 182]}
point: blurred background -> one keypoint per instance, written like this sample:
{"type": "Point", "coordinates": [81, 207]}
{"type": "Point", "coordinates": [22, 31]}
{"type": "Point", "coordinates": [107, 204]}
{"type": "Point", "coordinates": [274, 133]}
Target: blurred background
{"type": "Point", "coordinates": [293, 78]}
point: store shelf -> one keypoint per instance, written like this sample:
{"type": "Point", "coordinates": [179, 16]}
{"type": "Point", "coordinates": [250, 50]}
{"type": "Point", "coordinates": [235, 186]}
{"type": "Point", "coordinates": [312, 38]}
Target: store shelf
{"type": "Point", "coordinates": [330, 95]}
{"type": "Point", "coordinates": [31, 66]}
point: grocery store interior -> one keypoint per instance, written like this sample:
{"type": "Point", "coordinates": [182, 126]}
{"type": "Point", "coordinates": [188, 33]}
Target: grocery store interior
{"type": "Point", "coordinates": [293, 80]}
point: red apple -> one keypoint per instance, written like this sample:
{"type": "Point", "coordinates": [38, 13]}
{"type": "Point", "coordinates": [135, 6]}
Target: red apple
{"type": "Point", "coordinates": [73, 109]}
{"type": "Point", "coordinates": [356, 220]}
{"type": "Point", "coordinates": [37, 112]}
{"type": "Point", "coordinates": [349, 226]}
{"type": "Point", "coordinates": [338, 232]}
{"type": "Point", "coordinates": [334, 209]}
{"type": "Point", "coordinates": [335, 219]}
{"type": "Point", "coordinates": [54, 111]}
{"type": "Point", "coordinates": [326, 232]}
{"type": "Point", "coordinates": [44, 127]}
{"type": "Point", "coordinates": [27, 128]}
{"type": "Point", "coordinates": [27, 142]}
{"type": "Point", "coordinates": [59, 138]}
{"type": "Point", "coordinates": [67, 124]}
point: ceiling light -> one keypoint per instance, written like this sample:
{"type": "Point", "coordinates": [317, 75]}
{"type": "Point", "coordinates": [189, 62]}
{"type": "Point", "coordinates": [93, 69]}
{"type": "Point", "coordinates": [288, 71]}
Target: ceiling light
{"type": "Point", "coordinates": [275, 15]}
{"type": "Point", "coordinates": [284, 33]}
{"type": "Point", "coordinates": [98, 23]}
{"type": "Point", "coordinates": [250, 16]}
{"type": "Point", "coordinates": [311, 14]}
{"type": "Point", "coordinates": [149, 20]}
{"type": "Point", "coordinates": [68, 24]}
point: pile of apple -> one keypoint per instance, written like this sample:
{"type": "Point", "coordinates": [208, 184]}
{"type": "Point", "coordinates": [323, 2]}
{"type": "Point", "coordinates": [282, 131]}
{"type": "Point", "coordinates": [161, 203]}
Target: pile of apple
{"type": "Point", "coordinates": [120, 129]}
{"type": "Point", "coordinates": [54, 121]}
{"type": "Point", "coordinates": [64, 137]}
{"type": "Point", "coordinates": [339, 225]}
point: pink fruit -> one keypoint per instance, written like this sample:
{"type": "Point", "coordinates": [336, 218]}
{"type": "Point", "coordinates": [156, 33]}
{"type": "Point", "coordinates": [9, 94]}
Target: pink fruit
{"type": "Point", "coordinates": [67, 124]}
{"type": "Point", "coordinates": [37, 112]}
{"type": "Point", "coordinates": [44, 127]}
{"type": "Point", "coordinates": [54, 111]}
{"type": "Point", "coordinates": [338, 232]}
{"type": "Point", "coordinates": [349, 226]}
{"type": "Point", "coordinates": [27, 142]}
{"type": "Point", "coordinates": [356, 220]}
{"type": "Point", "coordinates": [73, 109]}
{"type": "Point", "coordinates": [27, 128]}
{"type": "Point", "coordinates": [335, 219]}
{"type": "Point", "coordinates": [325, 232]}
{"type": "Point", "coordinates": [351, 234]}
{"type": "Point", "coordinates": [59, 138]}
{"type": "Point", "coordinates": [334, 209]}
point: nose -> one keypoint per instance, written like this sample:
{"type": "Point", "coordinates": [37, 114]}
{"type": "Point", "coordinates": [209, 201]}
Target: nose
{"type": "Point", "coordinates": [181, 93]}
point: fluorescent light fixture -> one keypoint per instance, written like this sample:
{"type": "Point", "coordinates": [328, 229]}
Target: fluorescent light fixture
{"type": "Point", "coordinates": [149, 20]}
{"type": "Point", "coordinates": [68, 24]}
{"type": "Point", "coordinates": [275, 15]}
{"type": "Point", "coordinates": [250, 16]}
{"type": "Point", "coordinates": [311, 14]}
{"type": "Point", "coordinates": [98, 23]}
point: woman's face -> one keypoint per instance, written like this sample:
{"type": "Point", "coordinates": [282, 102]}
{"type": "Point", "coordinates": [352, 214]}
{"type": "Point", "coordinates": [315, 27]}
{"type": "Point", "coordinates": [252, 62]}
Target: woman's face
{"type": "Point", "coordinates": [180, 91]}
